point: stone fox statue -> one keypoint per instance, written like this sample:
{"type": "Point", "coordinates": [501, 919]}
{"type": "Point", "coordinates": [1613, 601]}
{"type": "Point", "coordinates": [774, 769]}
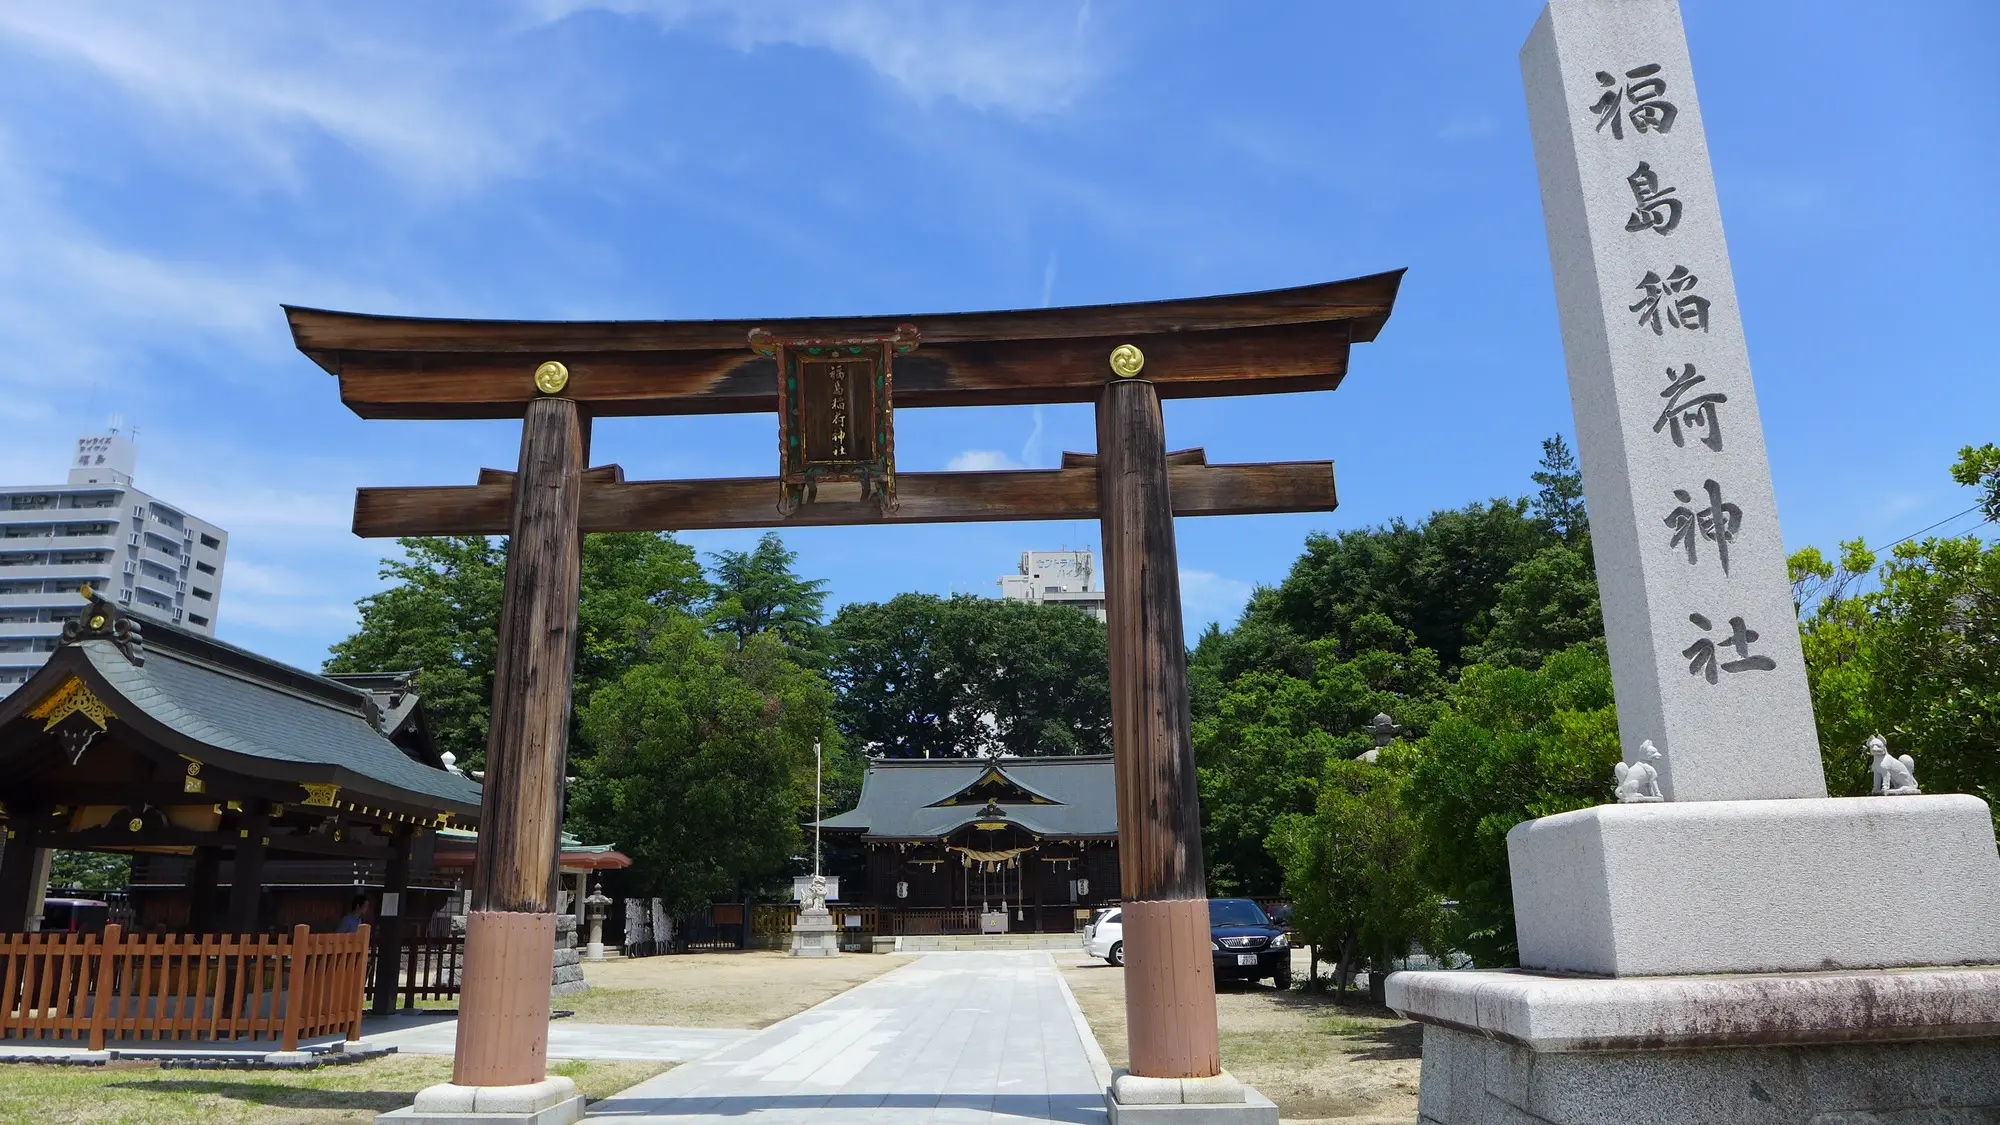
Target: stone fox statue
{"type": "Point", "coordinates": [1894, 774]}
{"type": "Point", "coordinates": [1639, 782]}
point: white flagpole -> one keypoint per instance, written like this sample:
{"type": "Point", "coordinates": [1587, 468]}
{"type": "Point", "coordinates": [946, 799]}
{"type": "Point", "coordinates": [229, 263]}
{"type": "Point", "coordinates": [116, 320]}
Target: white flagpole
{"type": "Point", "coordinates": [819, 813]}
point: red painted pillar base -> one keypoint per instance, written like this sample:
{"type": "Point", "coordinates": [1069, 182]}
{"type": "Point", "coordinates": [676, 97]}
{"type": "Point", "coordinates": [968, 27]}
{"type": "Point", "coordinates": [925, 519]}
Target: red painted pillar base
{"type": "Point", "coordinates": [503, 999]}
{"type": "Point", "coordinates": [1170, 989]}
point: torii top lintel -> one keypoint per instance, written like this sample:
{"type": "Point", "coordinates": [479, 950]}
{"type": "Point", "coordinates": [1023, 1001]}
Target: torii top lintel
{"type": "Point", "coordinates": [1249, 343]}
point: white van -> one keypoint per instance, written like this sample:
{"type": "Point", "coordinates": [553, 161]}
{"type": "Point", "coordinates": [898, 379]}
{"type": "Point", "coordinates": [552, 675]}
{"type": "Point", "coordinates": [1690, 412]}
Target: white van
{"type": "Point", "coordinates": [1105, 936]}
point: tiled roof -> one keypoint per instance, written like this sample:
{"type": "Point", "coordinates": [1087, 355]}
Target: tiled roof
{"type": "Point", "coordinates": [218, 695]}
{"type": "Point", "coordinates": [900, 797]}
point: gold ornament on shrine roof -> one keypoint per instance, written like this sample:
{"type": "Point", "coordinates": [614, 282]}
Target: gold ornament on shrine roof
{"type": "Point", "coordinates": [551, 377]}
{"type": "Point", "coordinates": [1127, 360]}
{"type": "Point", "coordinates": [72, 698]}
{"type": "Point", "coordinates": [836, 413]}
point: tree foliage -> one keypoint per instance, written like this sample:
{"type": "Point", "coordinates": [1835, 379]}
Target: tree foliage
{"type": "Point", "coordinates": [757, 591]}
{"type": "Point", "coordinates": [440, 616]}
{"type": "Point", "coordinates": [924, 676]}
{"type": "Point", "coordinates": [1559, 503]}
{"type": "Point", "coordinates": [1915, 659]}
{"type": "Point", "coordinates": [702, 770]}
{"type": "Point", "coordinates": [90, 871]}
{"type": "Point", "coordinates": [1512, 744]}
{"type": "Point", "coordinates": [1266, 746]}
{"type": "Point", "coordinates": [1350, 868]}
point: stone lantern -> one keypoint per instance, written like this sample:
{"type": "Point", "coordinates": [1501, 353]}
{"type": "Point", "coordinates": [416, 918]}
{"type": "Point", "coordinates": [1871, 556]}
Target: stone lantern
{"type": "Point", "coordinates": [594, 908]}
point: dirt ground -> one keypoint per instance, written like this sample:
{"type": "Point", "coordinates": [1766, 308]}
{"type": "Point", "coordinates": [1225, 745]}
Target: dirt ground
{"type": "Point", "coordinates": [752, 988]}
{"type": "Point", "coordinates": [1351, 1063]}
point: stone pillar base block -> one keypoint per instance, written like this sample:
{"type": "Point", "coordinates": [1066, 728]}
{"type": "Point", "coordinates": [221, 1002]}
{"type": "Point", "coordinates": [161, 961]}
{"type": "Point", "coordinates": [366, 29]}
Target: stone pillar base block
{"type": "Point", "coordinates": [1530, 1049]}
{"type": "Point", "coordinates": [552, 1101]}
{"type": "Point", "coordinates": [815, 936]}
{"type": "Point", "coordinates": [1217, 1100]}
{"type": "Point", "coordinates": [1780, 886]}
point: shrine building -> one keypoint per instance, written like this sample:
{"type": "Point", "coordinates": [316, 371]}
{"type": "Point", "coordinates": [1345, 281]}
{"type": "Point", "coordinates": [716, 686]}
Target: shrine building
{"type": "Point", "coordinates": [954, 845]}
{"type": "Point", "coordinates": [250, 795]}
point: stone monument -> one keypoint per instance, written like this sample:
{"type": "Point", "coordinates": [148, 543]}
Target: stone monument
{"type": "Point", "coordinates": [595, 906]}
{"type": "Point", "coordinates": [814, 935]}
{"type": "Point", "coordinates": [1727, 877]}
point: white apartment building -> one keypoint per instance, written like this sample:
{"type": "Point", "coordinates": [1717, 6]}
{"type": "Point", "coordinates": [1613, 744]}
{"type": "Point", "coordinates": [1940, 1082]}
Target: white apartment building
{"type": "Point", "coordinates": [139, 551]}
{"type": "Point", "coordinates": [1057, 578]}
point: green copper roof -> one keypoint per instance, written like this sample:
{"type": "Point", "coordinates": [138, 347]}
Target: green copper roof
{"type": "Point", "coordinates": [192, 692]}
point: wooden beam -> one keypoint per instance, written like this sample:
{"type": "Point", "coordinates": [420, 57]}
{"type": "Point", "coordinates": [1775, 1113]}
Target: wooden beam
{"type": "Point", "coordinates": [748, 502]}
{"type": "Point", "coordinates": [1250, 343]}
{"type": "Point", "coordinates": [602, 474]}
{"type": "Point", "coordinates": [1074, 460]}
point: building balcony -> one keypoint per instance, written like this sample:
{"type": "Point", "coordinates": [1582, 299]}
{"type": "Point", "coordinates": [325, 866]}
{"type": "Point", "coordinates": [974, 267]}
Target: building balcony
{"type": "Point", "coordinates": [109, 541]}
{"type": "Point", "coordinates": [31, 628]}
{"type": "Point", "coordinates": [24, 659]}
{"type": "Point", "coordinates": [98, 573]}
{"type": "Point", "coordinates": [165, 587]}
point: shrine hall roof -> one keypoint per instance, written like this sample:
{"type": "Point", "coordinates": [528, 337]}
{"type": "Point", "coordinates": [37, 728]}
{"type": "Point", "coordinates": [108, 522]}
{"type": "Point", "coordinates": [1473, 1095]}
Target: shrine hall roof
{"type": "Point", "coordinates": [1060, 796]}
{"type": "Point", "coordinates": [228, 707]}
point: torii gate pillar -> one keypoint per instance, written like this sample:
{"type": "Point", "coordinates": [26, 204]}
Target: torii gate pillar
{"type": "Point", "coordinates": [1169, 972]}
{"type": "Point", "coordinates": [501, 1062]}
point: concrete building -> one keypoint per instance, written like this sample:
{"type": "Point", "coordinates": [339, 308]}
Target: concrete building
{"type": "Point", "coordinates": [137, 551]}
{"type": "Point", "coordinates": [1057, 578]}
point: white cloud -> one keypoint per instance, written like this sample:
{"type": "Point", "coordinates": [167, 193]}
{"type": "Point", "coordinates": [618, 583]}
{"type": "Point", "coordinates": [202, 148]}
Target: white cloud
{"type": "Point", "coordinates": [981, 461]}
{"type": "Point", "coordinates": [1025, 59]}
{"type": "Point", "coordinates": [1206, 595]}
{"type": "Point", "coordinates": [264, 81]}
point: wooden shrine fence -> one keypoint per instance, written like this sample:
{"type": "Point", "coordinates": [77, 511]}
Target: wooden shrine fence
{"type": "Point", "coordinates": [429, 969]}
{"type": "Point", "coordinates": [167, 987]}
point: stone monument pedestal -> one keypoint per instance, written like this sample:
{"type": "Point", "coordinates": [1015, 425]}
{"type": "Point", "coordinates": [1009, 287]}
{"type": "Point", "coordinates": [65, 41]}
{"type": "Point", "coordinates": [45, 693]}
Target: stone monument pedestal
{"type": "Point", "coordinates": [1758, 886]}
{"type": "Point", "coordinates": [1801, 913]}
{"type": "Point", "coordinates": [815, 935]}
{"type": "Point", "coordinates": [1524, 1048]}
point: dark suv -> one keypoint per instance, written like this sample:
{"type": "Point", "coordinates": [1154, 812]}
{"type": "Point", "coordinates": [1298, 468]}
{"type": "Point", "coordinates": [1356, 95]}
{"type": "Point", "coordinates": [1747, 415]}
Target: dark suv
{"type": "Point", "coordinates": [1246, 944]}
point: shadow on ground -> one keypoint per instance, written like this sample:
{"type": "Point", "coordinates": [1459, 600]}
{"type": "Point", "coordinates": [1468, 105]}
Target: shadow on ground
{"type": "Point", "coordinates": [1077, 1109]}
{"type": "Point", "coordinates": [280, 1097]}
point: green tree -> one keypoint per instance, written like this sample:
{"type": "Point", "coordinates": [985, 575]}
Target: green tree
{"type": "Point", "coordinates": [1351, 872]}
{"type": "Point", "coordinates": [437, 618]}
{"type": "Point", "coordinates": [1917, 661]}
{"type": "Point", "coordinates": [1512, 744]}
{"type": "Point", "coordinates": [924, 676]}
{"type": "Point", "coordinates": [1548, 603]}
{"type": "Point", "coordinates": [757, 591]}
{"type": "Point", "coordinates": [1979, 467]}
{"type": "Point", "coordinates": [441, 613]}
{"type": "Point", "coordinates": [1559, 502]}
{"type": "Point", "coordinates": [1264, 750]}
{"type": "Point", "coordinates": [702, 770]}
{"type": "Point", "coordinates": [1440, 579]}
{"type": "Point", "coordinates": [91, 871]}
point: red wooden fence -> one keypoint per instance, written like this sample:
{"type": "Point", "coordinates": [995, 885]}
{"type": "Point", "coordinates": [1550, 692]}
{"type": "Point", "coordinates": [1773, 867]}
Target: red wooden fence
{"type": "Point", "coordinates": [169, 987]}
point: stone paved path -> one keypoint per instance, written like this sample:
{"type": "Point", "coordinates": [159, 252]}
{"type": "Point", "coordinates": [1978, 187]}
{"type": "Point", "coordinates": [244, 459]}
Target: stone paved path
{"type": "Point", "coordinates": [952, 1038]}
{"type": "Point", "coordinates": [568, 1039]}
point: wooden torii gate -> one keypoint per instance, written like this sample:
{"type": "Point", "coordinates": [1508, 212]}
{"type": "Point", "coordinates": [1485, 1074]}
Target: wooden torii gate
{"type": "Point", "coordinates": [557, 376]}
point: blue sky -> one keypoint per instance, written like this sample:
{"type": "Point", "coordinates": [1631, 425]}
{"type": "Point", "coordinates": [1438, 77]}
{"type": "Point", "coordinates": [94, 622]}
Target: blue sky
{"type": "Point", "coordinates": [170, 173]}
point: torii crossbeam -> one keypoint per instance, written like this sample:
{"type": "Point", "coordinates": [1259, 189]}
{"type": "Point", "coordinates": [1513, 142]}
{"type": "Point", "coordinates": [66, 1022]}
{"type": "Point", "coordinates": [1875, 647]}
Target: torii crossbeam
{"type": "Point", "coordinates": [556, 376]}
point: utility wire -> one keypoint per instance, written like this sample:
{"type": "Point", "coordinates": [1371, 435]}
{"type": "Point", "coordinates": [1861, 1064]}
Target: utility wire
{"type": "Point", "coordinates": [1938, 524]}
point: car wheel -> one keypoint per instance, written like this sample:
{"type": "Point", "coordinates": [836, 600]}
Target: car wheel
{"type": "Point", "coordinates": [1282, 979]}
{"type": "Point", "coordinates": [1117, 954]}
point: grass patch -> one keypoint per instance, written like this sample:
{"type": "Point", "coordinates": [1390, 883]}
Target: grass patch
{"type": "Point", "coordinates": [142, 1094]}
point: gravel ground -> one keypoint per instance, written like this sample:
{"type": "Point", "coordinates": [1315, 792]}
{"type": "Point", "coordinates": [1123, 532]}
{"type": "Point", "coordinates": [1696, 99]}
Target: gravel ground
{"type": "Point", "coordinates": [752, 988]}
